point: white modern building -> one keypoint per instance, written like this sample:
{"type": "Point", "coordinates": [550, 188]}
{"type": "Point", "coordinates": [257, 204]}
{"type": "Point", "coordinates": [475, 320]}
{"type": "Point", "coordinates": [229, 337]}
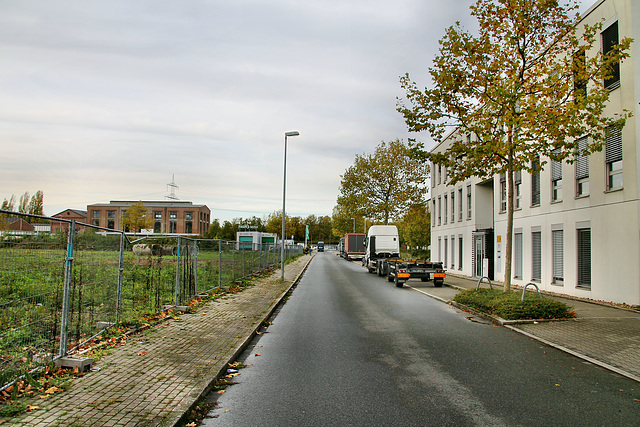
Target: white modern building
{"type": "Point", "coordinates": [576, 226]}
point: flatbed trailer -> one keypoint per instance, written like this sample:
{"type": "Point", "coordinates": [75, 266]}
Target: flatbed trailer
{"type": "Point", "coordinates": [400, 270]}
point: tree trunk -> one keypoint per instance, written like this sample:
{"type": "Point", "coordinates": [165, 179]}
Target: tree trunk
{"type": "Point", "coordinates": [508, 249]}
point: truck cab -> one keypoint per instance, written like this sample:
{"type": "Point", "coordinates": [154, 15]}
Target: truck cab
{"type": "Point", "coordinates": [382, 242]}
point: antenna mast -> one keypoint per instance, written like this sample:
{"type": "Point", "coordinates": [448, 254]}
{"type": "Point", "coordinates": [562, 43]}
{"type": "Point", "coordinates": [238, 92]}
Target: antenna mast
{"type": "Point", "coordinates": [172, 189]}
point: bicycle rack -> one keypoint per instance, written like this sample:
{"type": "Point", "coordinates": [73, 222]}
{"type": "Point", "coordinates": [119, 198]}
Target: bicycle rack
{"type": "Point", "coordinates": [480, 281]}
{"type": "Point", "coordinates": [525, 288]}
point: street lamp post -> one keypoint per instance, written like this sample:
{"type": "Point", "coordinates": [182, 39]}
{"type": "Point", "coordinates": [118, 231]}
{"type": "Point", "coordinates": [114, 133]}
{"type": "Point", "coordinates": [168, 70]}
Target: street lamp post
{"type": "Point", "coordinates": [284, 192]}
{"type": "Point", "coordinates": [354, 224]}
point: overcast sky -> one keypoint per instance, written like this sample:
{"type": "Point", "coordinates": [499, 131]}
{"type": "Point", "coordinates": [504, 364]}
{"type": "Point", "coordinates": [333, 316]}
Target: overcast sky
{"type": "Point", "coordinates": [108, 99]}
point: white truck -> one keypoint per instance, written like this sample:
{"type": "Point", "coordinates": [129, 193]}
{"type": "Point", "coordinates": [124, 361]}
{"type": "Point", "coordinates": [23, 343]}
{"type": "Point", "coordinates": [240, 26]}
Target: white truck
{"type": "Point", "coordinates": [382, 242]}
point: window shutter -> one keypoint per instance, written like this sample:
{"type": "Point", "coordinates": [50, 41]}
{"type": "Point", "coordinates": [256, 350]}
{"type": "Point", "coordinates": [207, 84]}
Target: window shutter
{"type": "Point", "coordinates": [613, 151]}
{"type": "Point", "coordinates": [556, 168]}
{"type": "Point", "coordinates": [558, 262]}
{"type": "Point", "coordinates": [610, 39]}
{"type": "Point", "coordinates": [536, 256]}
{"type": "Point", "coordinates": [582, 162]}
{"type": "Point", "coordinates": [535, 184]}
{"type": "Point", "coordinates": [584, 258]}
{"type": "Point", "coordinates": [518, 255]}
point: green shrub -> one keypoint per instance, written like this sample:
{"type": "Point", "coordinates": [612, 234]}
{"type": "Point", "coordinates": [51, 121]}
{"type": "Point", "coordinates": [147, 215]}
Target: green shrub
{"type": "Point", "coordinates": [509, 306]}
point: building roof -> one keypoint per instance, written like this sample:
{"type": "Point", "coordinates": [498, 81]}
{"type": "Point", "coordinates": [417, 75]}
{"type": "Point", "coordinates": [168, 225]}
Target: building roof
{"type": "Point", "coordinates": [147, 203]}
{"type": "Point", "coordinates": [77, 212]}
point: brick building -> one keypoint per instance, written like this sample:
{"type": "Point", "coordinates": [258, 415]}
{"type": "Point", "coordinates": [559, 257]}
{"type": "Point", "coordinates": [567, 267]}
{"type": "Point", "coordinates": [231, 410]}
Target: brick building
{"type": "Point", "coordinates": [179, 217]}
{"type": "Point", "coordinates": [69, 214]}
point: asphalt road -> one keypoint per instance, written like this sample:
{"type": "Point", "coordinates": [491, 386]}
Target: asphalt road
{"type": "Point", "coordinates": [349, 348]}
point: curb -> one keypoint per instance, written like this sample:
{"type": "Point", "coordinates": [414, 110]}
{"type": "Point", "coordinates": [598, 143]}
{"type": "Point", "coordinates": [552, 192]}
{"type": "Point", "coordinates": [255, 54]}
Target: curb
{"type": "Point", "coordinates": [243, 346]}
{"type": "Point", "coordinates": [508, 324]}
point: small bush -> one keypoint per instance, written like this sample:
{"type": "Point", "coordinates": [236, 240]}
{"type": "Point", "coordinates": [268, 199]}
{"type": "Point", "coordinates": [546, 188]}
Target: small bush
{"type": "Point", "coordinates": [508, 305]}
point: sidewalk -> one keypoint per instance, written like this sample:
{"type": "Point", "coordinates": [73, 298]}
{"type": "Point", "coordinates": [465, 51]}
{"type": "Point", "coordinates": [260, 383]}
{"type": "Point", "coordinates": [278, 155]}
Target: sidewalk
{"type": "Point", "coordinates": [162, 372]}
{"type": "Point", "coordinates": [604, 335]}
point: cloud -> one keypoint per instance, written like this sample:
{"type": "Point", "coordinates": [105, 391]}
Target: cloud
{"type": "Point", "coordinates": [107, 100]}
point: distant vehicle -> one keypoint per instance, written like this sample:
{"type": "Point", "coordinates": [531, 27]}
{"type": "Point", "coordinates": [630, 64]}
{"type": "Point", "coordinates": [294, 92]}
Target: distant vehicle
{"type": "Point", "coordinates": [353, 247]}
{"type": "Point", "coordinates": [382, 256]}
{"type": "Point", "coordinates": [320, 246]}
{"type": "Point", "coordinates": [341, 247]}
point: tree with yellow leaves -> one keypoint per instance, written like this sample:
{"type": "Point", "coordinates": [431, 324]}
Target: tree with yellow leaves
{"type": "Point", "coordinates": [529, 84]}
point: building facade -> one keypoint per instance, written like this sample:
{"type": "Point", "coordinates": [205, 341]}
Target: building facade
{"type": "Point", "coordinates": [169, 217]}
{"type": "Point", "coordinates": [576, 226]}
{"type": "Point", "coordinates": [69, 214]}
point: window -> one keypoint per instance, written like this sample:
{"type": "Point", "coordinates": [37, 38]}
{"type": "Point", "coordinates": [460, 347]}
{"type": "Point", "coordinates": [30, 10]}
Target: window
{"type": "Point", "coordinates": [173, 223]}
{"type": "Point", "coordinates": [433, 212]}
{"type": "Point", "coordinates": [459, 252]}
{"type": "Point", "coordinates": [579, 78]}
{"type": "Point", "coordinates": [96, 218]}
{"type": "Point", "coordinates": [439, 173]}
{"type": "Point", "coordinates": [453, 251]}
{"type": "Point", "coordinates": [517, 251]}
{"type": "Point", "coordinates": [584, 258]}
{"type": "Point", "coordinates": [582, 169]}
{"type": "Point", "coordinates": [536, 256]}
{"type": "Point", "coordinates": [188, 223]}
{"type": "Point", "coordinates": [613, 156]}
{"type": "Point", "coordinates": [558, 256]}
{"type": "Point", "coordinates": [460, 204]}
{"type": "Point", "coordinates": [556, 179]}
{"type": "Point", "coordinates": [444, 175]}
{"type": "Point", "coordinates": [517, 190]}
{"type": "Point", "coordinates": [111, 220]}
{"type": "Point", "coordinates": [468, 201]}
{"type": "Point", "coordinates": [609, 40]}
{"type": "Point", "coordinates": [503, 192]}
{"type": "Point", "coordinates": [439, 210]}
{"type": "Point", "coordinates": [453, 210]}
{"type": "Point", "coordinates": [535, 184]}
{"type": "Point", "coordinates": [445, 209]}
{"type": "Point", "coordinates": [445, 252]}
{"type": "Point", "coordinates": [439, 248]}
{"type": "Point", "coordinates": [157, 225]}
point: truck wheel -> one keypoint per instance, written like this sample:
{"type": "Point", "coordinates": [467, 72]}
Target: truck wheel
{"type": "Point", "coordinates": [438, 283]}
{"type": "Point", "coordinates": [389, 277]}
{"type": "Point", "coordinates": [398, 282]}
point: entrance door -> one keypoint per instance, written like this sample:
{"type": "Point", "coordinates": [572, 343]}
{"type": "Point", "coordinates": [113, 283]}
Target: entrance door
{"type": "Point", "coordinates": [478, 242]}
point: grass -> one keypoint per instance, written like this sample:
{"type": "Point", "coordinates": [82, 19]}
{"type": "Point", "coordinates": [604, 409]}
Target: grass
{"type": "Point", "coordinates": [510, 307]}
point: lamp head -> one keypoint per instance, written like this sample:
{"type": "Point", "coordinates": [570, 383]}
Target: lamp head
{"type": "Point", "coordinates": [292, 133]}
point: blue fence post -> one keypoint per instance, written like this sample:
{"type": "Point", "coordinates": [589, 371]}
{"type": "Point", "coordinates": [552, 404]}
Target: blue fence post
{"type": "Point", "coordinates": [66, 292]}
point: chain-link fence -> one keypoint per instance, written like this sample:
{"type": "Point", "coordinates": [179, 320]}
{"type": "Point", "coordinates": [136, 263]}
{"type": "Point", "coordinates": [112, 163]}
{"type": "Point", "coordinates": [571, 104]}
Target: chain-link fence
{"type": "Point", "coordinates": [61, 287]}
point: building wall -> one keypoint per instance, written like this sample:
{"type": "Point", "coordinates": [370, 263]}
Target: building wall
{"type": "Point", "coordinates": [68, 214]}
{"type": "Point", "coordinates": [612, 216]}
{"type": "Point", "coordinates": [168, 217]}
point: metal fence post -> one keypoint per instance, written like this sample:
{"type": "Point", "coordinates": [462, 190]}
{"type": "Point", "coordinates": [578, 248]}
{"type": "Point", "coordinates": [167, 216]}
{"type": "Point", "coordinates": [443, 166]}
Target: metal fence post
{"type": "Point", "coordinates": [120, 278]}
{"type": "Point", "coordinates": [233, 263]}
{"type": "Point", "coordinates": [66, 293]}
{"type": "Point", "coordinates": [195, 265]}
{"type": "Point", "coordinates": [219, 263]}
{"type": "Point", "coordinates": [177, 299]}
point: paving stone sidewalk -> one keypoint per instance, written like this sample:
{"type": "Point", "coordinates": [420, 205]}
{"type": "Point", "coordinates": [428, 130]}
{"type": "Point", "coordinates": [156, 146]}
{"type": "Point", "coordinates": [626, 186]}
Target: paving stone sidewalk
{"type": "Point", "coordinates": [601, 334]}
{"type": "Point", "coordinates": [155, 378]}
